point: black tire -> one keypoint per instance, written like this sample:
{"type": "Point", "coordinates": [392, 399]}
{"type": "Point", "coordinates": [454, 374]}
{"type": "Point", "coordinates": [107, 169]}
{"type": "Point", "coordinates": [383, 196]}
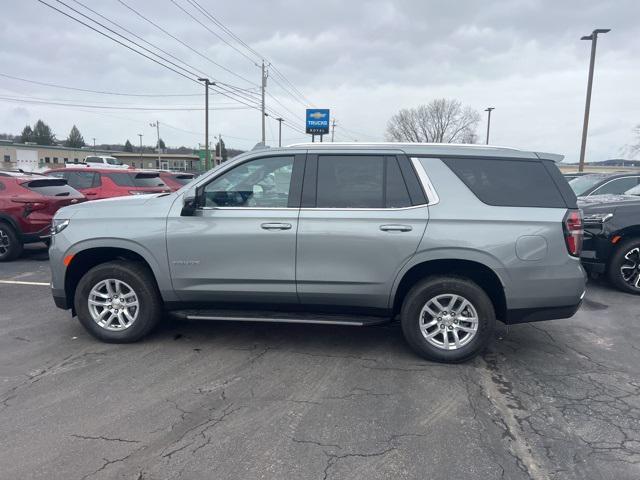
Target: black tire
{"type": "Point", "coordinates": [631, 248]}
{"type": "Point", "coordinates": [431, 287]}
{"type": "Point", "coordinates": [141, 281]}
{"type": "Point", "coordinates": [10, 244]}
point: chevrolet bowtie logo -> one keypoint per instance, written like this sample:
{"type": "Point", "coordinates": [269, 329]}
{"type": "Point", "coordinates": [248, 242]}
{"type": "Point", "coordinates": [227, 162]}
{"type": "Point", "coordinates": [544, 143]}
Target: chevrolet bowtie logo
{"type": "Point", "coordinates": [317, 115]}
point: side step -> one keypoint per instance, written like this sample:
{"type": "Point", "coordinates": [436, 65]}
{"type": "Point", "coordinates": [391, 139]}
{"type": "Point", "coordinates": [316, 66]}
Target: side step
{"type": "Point", "coordinates": [280, 317]}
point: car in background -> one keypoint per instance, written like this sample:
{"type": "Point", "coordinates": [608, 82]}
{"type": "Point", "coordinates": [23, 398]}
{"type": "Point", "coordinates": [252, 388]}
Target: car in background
{"type": "Point", "coordinates": [98, 183]}
{"type": "Point", "coordinates": [176, 180]}
{"type": "Point", "coordinates": [604, 183]}
{"type": "Point", "coordinates": [612, 239]}
{"type": "Point", "coordinates": [27, 205]}
{"type": "Point", "coordinates": [103, 161]}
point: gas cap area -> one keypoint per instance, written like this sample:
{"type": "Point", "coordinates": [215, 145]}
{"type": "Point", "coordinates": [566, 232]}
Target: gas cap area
{"type": "Point", "coordinates": [531, 247]}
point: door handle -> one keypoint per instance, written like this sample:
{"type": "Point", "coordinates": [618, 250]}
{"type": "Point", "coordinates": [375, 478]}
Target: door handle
{"type": "Point", "coordinates": [396, 228]}
{"type": "Point", "coordinates": [276, 226]}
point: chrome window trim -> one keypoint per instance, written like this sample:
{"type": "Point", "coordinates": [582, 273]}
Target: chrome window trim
{"type": "Point", "coordinates": [432, 195]}
{"type": "Point", "coordinates": [248, 208]}
{"type": "Point", "coordinates": [355, 209]}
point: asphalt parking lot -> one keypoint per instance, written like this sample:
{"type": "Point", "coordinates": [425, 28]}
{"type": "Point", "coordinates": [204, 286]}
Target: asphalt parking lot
{"type": "Point", "coordinates": [557, 400]}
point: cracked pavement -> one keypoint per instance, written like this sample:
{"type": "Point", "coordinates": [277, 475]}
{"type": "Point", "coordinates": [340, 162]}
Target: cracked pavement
{"type": "Point", "coordinates": [552, 400]}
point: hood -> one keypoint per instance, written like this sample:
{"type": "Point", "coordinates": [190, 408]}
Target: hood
{"type": "Point", "coordinates": [608, 201]}
{"type": "Point", "coordinates": [124, 206]}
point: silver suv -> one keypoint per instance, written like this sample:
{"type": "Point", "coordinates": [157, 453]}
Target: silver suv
{"type": "Point", "coordinates": [446, 237]}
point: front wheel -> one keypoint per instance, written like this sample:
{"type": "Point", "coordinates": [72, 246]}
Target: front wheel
{"type": "Point", "coordinates": [118, 302]}
{"type": "Point", "coordinates": [624, 266]}
{"type": "Point", "coordinates": [10, 244]}
{"type": "Point", "coordinates": [447, 319]}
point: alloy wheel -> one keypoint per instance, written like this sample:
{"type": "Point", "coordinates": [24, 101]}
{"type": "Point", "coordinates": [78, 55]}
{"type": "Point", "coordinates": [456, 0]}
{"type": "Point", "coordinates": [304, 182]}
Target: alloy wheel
{"type": "Point", "coordinates": [4, 242]}
{"type": "Point", "coordinates": [113, 304]}
{"type": "Point", "coordinates": [448, 321]}
{"type": "Point", "coordinates": [630, 268]}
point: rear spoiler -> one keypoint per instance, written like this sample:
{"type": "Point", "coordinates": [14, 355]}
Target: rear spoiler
{"type": "Point", "coordinates": [550, 156]}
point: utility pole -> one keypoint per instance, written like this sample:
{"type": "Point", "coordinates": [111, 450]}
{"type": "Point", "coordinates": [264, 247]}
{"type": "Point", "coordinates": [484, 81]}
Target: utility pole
{"type": "Point", "coordinates": [207, 82]}
{"type": "Point", "coordinates": [265, 74]}
{"type": "Point", "coordinates": [333, 129]}
{"type": "Point", "coordinates": [585, 126]}
{"type": "Point", "coordinates": [157, 125]}
{"type": "Point", "coordinates": [280, 120]}
{"type": "Point", "coordinates": [141, 160]}
{"type": "Point", "coordinates": [94, 146]}
{"type": "Point", "coordinates": [489, 110]}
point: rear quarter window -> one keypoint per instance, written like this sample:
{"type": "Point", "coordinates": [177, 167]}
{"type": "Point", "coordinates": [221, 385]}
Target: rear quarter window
{"type": "Point", "coordinates": [50, 187]}
{"type": "Point", "coordinates": [507, 182]}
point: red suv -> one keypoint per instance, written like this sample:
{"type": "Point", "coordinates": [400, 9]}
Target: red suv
{"type": "Point", "coordinates": [27, 205]}
{"type": "Point", "coordinates": [97, 183]}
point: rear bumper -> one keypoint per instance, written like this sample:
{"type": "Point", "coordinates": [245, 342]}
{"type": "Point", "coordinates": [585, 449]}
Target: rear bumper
{"type": "Point", "coordinates": [526, 315]}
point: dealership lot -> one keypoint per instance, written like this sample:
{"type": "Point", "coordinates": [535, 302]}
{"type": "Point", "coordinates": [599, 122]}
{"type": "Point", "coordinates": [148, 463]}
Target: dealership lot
{"type": "Point", "coordinates": [556, 399]}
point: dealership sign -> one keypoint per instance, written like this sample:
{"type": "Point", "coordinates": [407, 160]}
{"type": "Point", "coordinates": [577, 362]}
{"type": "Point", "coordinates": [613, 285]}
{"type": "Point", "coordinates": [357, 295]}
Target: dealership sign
{"type": "Point", "coordinates": [317, 121]}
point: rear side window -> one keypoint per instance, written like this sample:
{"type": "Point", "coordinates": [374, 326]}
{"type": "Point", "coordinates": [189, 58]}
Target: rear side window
{"type": "Point", "coordinates": [617, 186]}
{"type": "Point", "coordinates": [121, 179]}
{"type": "Point", "coordinates": [396, 193]}
{"type": "Point", "coordinates": [50, 187]}
{"type": "Point", "coordinates": [81, 180]}
{"type": "Point", "coordinates": [508, 183]}
{"type": "Point", "coordinates": [350, 182]}
{"type": "Point", "coordinates": [183, 179]}
{"type": "Point", "coordinates": [148, 180]}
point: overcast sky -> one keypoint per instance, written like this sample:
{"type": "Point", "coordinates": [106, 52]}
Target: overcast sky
{"type": "Point", "coordinates": [362, 59]}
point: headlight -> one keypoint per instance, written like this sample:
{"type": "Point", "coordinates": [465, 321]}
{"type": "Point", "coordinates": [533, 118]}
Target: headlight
{"type": "Point", "coordinates": [596, 218]}
{"type": "Point", "coordinates": [58, 224]}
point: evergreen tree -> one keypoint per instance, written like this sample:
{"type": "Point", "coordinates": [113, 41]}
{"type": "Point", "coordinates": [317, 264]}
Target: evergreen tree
{"type": "Point", "coordinates": [26, 135]}
{"type": "Point", "coordinates": [221, 150]}
{"type": "Point", "coordinates": [127, 146]}
{"type": "Point", "coordinates": [161, 145]}
{"type": "Point", "coordinates": [74, 140]}
{"type": "Point", "coordinates": [42, 134]}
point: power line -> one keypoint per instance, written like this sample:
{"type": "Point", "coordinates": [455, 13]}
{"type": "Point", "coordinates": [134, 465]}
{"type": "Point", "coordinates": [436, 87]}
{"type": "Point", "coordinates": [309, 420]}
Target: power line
{"type": "Point", "coordinates": [111, 107]}
{"type": "Point", "coordinates": [184, 44]}
{"type": "Point", "coordinates": [102, 92]}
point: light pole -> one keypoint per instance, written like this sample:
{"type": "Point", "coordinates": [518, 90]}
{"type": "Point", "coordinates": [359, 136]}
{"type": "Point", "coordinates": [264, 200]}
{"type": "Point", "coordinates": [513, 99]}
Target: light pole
{"type": "Point", "coordinates": [585, 126]}
{"type": "Point", "coordinates": [94, 146]}
{"type": "Point", "coordinates": [157, 125]}
{"type": "Point", "coordinates": [207, 82]}
{"type": "Point", "coordinates": [488, 110]}
{"type": "Point", "coordinates": [141, 160]}
{"type": "Point", "coordinates": [280, 120]}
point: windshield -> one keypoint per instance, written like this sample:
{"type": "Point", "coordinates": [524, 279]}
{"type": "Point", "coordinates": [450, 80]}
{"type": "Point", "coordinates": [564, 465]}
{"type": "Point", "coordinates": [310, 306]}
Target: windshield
{"type": "Point", "coordinates": [113, 161]}
{"type": "Point", "coordinates": [581, 184]}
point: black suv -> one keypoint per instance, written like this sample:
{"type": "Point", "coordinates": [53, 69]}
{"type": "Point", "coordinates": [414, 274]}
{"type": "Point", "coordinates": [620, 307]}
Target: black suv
{"type": "Point", "coordinates": [604, 183]}
{"type": "Point", "coordinates": [612, 239]}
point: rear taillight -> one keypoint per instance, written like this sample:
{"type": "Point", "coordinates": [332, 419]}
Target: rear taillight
{"type": "Point", "coordinates": [29, 206]}
{"type": "Point", "coordinates": [573, 232]}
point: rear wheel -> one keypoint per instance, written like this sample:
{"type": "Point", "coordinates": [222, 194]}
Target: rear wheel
{"type": "Point", "coordinates": [447, 319]}
{"type": "Point", "coordinates": [118, 302]}
{"type": "Point", "coordinates": [10, 244]}
{"type": "Point", "coordinates": [624, 266]}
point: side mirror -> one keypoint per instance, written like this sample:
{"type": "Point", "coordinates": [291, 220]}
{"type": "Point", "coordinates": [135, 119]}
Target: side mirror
{"type": "Point", "coordinates": [189, 203]}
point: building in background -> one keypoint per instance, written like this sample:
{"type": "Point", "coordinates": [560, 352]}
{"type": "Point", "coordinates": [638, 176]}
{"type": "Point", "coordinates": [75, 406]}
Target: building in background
{"type": "Point", "coordinates": [31, 157]}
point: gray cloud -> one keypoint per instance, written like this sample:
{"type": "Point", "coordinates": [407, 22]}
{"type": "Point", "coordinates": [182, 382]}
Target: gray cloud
{"type": "Point", "coordinates": [365, 60]}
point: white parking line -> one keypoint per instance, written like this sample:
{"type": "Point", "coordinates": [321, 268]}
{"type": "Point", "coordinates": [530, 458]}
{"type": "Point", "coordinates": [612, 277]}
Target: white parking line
{"type": "Point", "coordinates": [21, 282]}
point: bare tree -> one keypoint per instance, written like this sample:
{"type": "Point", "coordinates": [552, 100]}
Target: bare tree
{"type": "Point", "coordinates": [635, 148]}
{"type": "Point", "coordinates": [440, 121]}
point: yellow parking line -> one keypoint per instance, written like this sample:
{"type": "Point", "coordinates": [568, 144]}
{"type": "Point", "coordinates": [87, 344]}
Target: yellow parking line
{"type": "Point", "coordinates": [21, 282]}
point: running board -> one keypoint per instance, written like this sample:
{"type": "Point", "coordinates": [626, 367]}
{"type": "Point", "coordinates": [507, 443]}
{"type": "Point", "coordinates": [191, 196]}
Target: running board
{"type": "Point", "coordinates": [281, 317]}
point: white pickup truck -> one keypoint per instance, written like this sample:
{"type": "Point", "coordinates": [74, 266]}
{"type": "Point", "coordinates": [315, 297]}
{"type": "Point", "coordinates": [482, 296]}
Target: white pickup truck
{"type": "Point", "coordinates": [99, 161]}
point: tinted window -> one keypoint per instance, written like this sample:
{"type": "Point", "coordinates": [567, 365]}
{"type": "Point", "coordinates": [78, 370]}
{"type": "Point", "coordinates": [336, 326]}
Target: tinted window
{"type": "Point", "coordinates": [183, 179]}
{"type": "Point", "coordinates": [121, 179]}
{"type": "Point", "coordinates": [350, 182]}
{"type": "Point", "coordinates": [2, 187]}
{"type": "Point", "coordinates": [147, 180]}
{"type": "Point", "coordinates": [617, 186]}
{"type": "Point", "coordinates": [93, 160]}
{"type": "Point", "coordinates": [510, 183]}
{"type": "Point", "coordinates": [397, 195]}
{"type": "Point", "coordinates": [80, 180]}
{"type": "Point", "coordinates": [50, 187]}
{"type": "Point", "coordinates": [264, 182]}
